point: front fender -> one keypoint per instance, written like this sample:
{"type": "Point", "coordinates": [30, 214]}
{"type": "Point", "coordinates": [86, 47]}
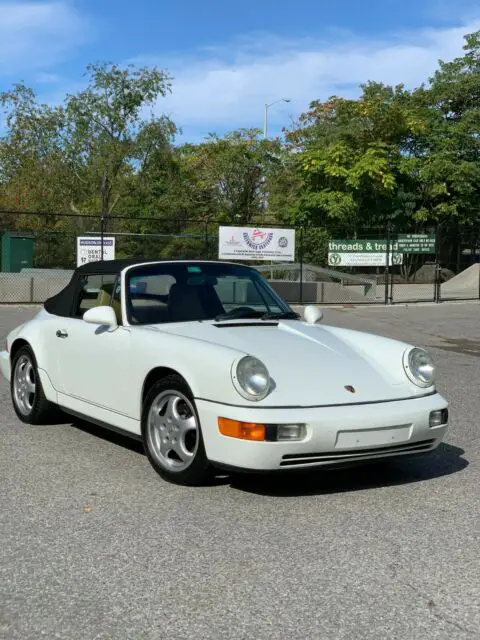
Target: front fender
{"type": "Point", "coordinates": [206, 367]}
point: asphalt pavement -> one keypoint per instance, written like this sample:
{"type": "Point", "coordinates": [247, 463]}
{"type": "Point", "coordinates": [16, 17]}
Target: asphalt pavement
{"type": "Point", "coordinates": [94, 545]}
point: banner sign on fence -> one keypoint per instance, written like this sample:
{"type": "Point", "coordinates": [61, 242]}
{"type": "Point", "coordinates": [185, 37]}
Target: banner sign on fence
{"type": "Point", "coordinates": [363, 259]}
{"type": "Point", "coordinates": [416, 243]}
{"type": "Point", "coordinates": [89, 249]}
{"type": "Point", "coordinates": [362, 253]}
{"type": "Point", "coordinates": [252, 243]}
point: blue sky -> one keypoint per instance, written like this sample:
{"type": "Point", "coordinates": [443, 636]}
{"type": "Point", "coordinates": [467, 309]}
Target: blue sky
{"type": "Point", "coordinates": [227, 58]}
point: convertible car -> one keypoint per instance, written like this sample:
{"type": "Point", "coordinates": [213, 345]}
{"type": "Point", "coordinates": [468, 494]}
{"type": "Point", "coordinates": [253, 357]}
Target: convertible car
{"type": "Point", "coordinates": [205, 364]}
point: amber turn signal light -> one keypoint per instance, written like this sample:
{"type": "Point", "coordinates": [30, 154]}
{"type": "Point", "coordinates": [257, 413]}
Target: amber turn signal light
{"type": "Point", "coordinates": [242, 430]}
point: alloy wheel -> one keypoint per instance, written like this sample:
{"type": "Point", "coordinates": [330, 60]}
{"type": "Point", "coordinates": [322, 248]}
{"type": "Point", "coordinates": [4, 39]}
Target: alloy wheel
{"type": "Point", "coordinates": [172, 431]}
{"type": "Point", "coordinates": [24, 385]}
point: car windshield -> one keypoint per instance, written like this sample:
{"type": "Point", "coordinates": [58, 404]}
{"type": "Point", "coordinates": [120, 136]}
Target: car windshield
{"type": "Point", "coordinates": [191, 291]}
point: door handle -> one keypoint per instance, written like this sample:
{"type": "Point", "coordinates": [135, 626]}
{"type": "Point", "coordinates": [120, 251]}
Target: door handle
{"type": "Point", "coordinates": [61, 334]}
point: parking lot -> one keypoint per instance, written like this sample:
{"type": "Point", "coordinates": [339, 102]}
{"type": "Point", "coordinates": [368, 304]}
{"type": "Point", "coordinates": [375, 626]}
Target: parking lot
{"type": "Point", "coordinates": [94, 545]}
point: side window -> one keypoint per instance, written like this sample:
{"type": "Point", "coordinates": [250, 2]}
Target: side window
{"type": "Point", "coordinates": [96, 291]}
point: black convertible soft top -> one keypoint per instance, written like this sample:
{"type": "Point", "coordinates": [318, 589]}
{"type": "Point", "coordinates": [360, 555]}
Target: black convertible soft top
{"type": "Point", "coordinates": [103, 267]}
{"type": "Point", "coordinates": [61, 303]}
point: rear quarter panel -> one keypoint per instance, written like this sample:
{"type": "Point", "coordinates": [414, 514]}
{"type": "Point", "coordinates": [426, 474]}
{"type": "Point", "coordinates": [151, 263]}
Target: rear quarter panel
{"type": "Point", "coordinates": [39, 334]}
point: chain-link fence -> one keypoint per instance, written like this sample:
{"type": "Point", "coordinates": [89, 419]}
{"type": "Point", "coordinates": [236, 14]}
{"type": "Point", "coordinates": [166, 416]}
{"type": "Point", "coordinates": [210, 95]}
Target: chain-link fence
{"type": "Point", "coordinates": [331, 266]}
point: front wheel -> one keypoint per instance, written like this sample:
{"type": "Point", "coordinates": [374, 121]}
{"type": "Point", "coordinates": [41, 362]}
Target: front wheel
{"type": "Point", "coordinates": [171, 433]}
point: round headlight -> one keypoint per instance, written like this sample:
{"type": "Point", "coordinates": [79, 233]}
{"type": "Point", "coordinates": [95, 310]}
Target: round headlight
{"type": "Point", "coordinates": [252, 378]}
{"type": "Point", "coordinates": [420, 367]}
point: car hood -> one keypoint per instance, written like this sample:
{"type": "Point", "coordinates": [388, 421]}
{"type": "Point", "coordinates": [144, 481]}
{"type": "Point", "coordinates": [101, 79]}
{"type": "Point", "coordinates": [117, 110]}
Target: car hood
{"type": "Point", "coordinates": [312, 365]}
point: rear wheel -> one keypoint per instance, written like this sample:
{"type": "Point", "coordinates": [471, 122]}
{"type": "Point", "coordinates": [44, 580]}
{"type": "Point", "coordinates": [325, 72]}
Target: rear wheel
{"type": "Point", "coordinates": [29, 401]}
{"type": "Point", "coordinates": [172, 435]}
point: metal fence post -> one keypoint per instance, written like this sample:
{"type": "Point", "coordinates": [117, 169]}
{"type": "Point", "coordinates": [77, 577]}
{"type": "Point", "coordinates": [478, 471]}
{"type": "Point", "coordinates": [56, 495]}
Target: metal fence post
{"type": "Point", "coordinates": [387, 265]}
{"type": "Point", "coordinates": [102, 233]}
{"type": "Point", "coordinates": [207, 254]}
{"type": "Point", "coordinates": [392, 276]}
{"type": "Point", "coordinates": [436, 282]}
{"type": "Point", "coordinates": [477, 246]}
{"type": "Point", "coordinates": [301, 265]}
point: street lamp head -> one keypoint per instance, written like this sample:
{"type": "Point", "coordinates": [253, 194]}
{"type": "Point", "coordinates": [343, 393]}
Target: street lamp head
{"type": "Point", "coordinates": [277, 101]}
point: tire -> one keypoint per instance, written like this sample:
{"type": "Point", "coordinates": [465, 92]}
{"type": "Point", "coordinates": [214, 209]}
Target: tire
{"type": "Point", "coordinates": [172, 435]}
{"type": "Point", "coordinates": [28, 398]}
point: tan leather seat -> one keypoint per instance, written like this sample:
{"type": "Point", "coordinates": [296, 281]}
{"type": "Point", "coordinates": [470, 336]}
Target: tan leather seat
{"type": "Point", "coordinates": [104, 298]}
{"type": "Point", "coordinates": [118, 310]}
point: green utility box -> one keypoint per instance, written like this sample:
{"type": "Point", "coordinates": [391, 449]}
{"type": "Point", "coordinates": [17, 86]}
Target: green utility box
{"type": "Point", "coordinates": [17, 252]}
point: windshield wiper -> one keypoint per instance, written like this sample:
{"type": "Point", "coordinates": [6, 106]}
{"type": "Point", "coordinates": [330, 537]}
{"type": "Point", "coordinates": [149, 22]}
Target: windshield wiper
{"type": "Point", "coordinates": [280, 315]}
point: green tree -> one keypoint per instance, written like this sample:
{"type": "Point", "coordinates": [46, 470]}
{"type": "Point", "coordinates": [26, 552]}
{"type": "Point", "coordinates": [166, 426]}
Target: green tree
{"type": "Point", "coordinates": [228, 177]}
{"type": "Point", "coordinates": [352, 159]}
{"type": "Point", "coordinates": [450, 169]}
{"type": "Point", "coordinates": [33, 172]}
{"type": "Point", "coordinates": [108, 137]}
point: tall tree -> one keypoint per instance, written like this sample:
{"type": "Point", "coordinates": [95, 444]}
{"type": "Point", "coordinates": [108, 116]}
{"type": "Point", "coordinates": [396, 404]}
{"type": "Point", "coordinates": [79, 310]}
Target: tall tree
{"type": "Point", "coordinates": [108, 137]}
{"type": "Point", "coordinates": [450, 168]}
{"type": "Point", "coordinates": [229, 175]}
{"type": "Point", "coordinates": [350, 156]}
{"type": "Point", "coordinates": [33, 172]}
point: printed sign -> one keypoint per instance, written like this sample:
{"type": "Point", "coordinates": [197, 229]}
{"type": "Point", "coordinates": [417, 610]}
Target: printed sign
{"type": "Point", "coordinates": [363, 253]}
{"type": "Point", "coordinates": [89, 249]}
{"type": "Point", "coordinates": [253, 243]}
{"type": "Point", "coordinates": [416, 243]}
{"type": "Point", "coordinates": [363, 259]}
{"type": "Point", "coordinates": [362, 246]}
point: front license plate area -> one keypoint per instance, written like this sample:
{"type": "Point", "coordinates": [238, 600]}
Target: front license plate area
{"type": "Point", "coordinates": [373, 437]}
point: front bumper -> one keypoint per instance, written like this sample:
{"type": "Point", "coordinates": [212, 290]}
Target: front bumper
{"type": "Point", "coordinates": [335, 435]}
{"type": "Point", "coordinates": [5, 364]}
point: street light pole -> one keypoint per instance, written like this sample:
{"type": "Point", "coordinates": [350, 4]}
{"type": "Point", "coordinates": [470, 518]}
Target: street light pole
{"type": "Point", "coordinates": [265, 118]}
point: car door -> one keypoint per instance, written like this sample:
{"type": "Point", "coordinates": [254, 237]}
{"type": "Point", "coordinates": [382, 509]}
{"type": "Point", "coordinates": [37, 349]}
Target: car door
{"type": "Point", "coordinates": [92, 362]}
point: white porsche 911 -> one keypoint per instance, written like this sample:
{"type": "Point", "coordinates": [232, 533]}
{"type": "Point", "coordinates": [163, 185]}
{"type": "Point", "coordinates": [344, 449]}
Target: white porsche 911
{"type": "Point", "coordinates": [205, 364]}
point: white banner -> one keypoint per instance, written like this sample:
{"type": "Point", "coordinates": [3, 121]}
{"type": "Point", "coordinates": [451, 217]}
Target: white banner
{"type": "Point", "coordinates": [89, 249]}
{"type": "Point", "coordinates": [363, 259]}
{"type": "Point", "coordinates": [253, 243]}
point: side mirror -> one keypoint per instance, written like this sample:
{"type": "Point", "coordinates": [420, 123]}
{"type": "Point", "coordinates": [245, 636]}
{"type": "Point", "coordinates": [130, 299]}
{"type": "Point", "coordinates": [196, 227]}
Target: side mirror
{"type": "Point", "coordinates": [312, 314]}
{"type": "Point", "coordinates": [104, 316]}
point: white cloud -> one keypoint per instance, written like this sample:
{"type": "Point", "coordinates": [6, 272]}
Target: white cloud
{"type": "Point", "coordinates": [47, 78]}
{"type": "Point", "coordinates": [228, 86]}
{"type": "Point", "coordinates": [34, 35]}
